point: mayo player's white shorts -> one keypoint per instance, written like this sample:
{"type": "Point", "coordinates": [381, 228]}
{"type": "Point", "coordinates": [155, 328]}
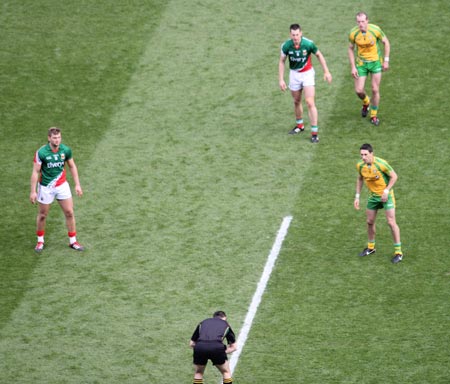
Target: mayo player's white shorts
{"type": "Point", "coordinates": [299, 80]}
{"type": "Point", "coordinates": [46, 195]}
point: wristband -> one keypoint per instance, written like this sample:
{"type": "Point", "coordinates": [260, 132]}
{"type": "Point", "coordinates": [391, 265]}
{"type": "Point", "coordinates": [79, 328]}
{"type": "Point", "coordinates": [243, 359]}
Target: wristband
{"type": "Point", "coordinates": [386, 191]}
{"type": "Point", "coordinates": [386, 58]}
{"type": "Point", "coordinates": [357, 196]}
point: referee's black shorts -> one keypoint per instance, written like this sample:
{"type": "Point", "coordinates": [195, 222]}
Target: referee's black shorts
{"type": "Point", "coordinates": [210, 351]}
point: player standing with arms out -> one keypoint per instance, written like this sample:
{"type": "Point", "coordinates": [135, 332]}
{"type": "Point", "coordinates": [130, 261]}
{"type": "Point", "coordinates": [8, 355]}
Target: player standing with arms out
{"type": "Point", "coordinates": [302, 77]}
{"type": "Point", "coordinates": [48, 181]}
{"type": "Point", "coordinates": [369, 60]}
{"type": "Point", "coordinates": [379, 178]}
{"type": "Point", "coordinates": [207, 342]}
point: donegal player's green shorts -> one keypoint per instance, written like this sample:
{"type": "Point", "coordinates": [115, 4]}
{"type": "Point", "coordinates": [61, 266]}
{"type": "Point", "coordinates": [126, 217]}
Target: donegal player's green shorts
{"type": "Point", "coordinates": [374, 202]}
{"type": "Point", "coordinates": [364, 68]}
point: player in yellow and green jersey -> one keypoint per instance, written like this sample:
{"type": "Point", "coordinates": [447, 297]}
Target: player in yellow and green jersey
{"type": "Point", "coordinates": [369, 60]}
{"type": "Point", "coordinates": [379, 178]}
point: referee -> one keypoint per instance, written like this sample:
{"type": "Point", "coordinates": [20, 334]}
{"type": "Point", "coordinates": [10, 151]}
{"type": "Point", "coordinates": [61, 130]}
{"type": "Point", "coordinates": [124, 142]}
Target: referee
{"type": "Point", "coordinates": [207, 342]}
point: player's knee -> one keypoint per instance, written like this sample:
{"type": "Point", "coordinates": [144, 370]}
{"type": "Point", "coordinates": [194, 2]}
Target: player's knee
{"type": "Point", "coordinates": [199, 369]}
{"type": "Point", "coordinates": [69, 214]}
{"type": "Point", "coordinates": [375, 89]}
{"type": "Point", "coordinates": [310, 102]}
{"type": "Point", "coordinates": [42, 215]}
{"type": "Point", "coordinates": [392, 223]}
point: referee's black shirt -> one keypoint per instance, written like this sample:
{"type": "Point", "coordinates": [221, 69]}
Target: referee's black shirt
{"type": "Point", "coordinates": [214, 329]}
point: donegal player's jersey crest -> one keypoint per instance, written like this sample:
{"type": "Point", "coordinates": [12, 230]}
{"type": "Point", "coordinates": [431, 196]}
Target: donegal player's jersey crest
{"type": "Point", "coordinates": [299, 56]}
{"type": "Point", "coordinates": [52, 164]}
{"type": "Point", "coordinates": [375, 175]}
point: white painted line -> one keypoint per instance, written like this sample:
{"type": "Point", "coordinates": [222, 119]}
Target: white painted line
{"type": "Point", "coordinates": [242, 338]}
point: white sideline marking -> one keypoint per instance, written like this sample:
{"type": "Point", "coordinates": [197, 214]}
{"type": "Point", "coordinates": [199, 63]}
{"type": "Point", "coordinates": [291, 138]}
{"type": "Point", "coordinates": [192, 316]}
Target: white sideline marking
{"type": "Point", "coordinates": [242, 338]}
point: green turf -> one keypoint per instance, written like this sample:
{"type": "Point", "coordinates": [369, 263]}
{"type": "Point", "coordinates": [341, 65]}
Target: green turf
{"type": "Point", "coordinates": [179, 132]}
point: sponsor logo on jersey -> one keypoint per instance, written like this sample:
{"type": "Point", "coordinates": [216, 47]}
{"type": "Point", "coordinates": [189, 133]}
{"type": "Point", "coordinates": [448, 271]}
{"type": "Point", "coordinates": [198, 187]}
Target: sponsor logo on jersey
{"type": "Point", "coordinates": [298, 59]}
{"type": "Point", "coordinates": [56, 164]}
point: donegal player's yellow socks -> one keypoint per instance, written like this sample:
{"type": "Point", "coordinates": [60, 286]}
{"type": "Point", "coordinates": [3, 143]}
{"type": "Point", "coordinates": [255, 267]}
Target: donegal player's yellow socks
{"type": "Point", "coordinates": [366, 100]}
{"type": "Point", "coordinates": [371, 244]}
{"type": "Point", "coordinates": [398, 249]}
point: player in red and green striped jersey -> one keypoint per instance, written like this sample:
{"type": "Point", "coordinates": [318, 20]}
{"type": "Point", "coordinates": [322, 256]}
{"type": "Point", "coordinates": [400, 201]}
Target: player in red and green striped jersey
{"type": "Point", "coordinates": [298, 50]}
{"type": "Point", "coordinates": [48, 181]}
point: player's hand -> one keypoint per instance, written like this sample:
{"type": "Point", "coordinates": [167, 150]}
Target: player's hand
{"type": "Point", "coordinates": [327, 77]}
{"type": "Point", "coordinates": [385, 65]}
{"type": "Point", "coordinates": [356, 204]}
{"type": "Point", "coordinates": [33, 197]}
{"type": "Point", "coordinates": [355, 73]}
{"type": "Point", "coordinates": [78, 190]}
{"type": "Point", "coordinates": [283, 85]}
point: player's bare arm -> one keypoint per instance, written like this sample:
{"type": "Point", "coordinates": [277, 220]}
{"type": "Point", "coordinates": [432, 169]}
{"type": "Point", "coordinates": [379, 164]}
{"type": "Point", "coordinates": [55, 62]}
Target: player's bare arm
{"type": "Point", "coordinates": [351, 57]}
{"type": "Point", "coordinates": [281, 65]}
{"type": "Point", "coordinates": [387, 52]}
{"type": "Point", "coordinates": [326, 73]}
{"type": "Point", "coordinates": [231, 348]}
{"type": "Point", "coordinates": [74, 171]}
{"type": "Point", "coordinates": [393, 177]}
{"type": "Point", "coordinates": [33, 182]}
{"type": "Point", "coordinates": [359, 184]}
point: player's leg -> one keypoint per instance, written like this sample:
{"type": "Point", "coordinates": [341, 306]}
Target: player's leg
{"type": "Point", "coordinates": [371, 216]}
{"type": "Point", "coordinates": [390, 217]}
{"type": "Point", "coordinates": [202, 354]}
{"type": "Point", "coordinates": [40, 225]}
{"type": "Point", "coordinates": [226, 372]}
{"type": "Point", "coordinates": [298, 111]}
{"type": "Point", "coordinates": [64, 197]}
{"type": "Point", "coordinates": [45, 197]}
{"type": "Point", "coordinates": [310, 94]}
{"type": "Point", "coordinates": [360, 83]}
{"type": "Point", "coordinates": [220, 360]}
{"type": "Point", "coordinates": [42, 217]}
{"type": "Point", "coordinates": [67, 207]}
{"type": "Point", "coordinates": [395, 230]}
{"type": "Point", "coordinates": [199, 371]}
{"type": "Point", "coordinates": [298, 107]}
{"type": "Point", "coordinates": [375, 82]}
{"type": "Point", "coordinates": [295, 85]}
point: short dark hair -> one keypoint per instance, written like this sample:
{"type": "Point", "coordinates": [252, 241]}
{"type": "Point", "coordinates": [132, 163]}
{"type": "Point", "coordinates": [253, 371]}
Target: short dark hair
{"type": "Point", "coordinates": [220, 314]}
{"type": "Point", "coordinates": [366, 147]}
{"type": "Point", "coordinates": [54, 131]}
{"type": "Point", "coordinates": [294, 27]}
{"type": "Point", "coordinates": [363, 14]}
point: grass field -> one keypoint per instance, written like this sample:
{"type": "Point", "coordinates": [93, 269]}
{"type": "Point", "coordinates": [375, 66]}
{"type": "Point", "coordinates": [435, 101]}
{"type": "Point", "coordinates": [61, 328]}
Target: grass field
{"type": "Point", "coordinates": [179, 132]}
